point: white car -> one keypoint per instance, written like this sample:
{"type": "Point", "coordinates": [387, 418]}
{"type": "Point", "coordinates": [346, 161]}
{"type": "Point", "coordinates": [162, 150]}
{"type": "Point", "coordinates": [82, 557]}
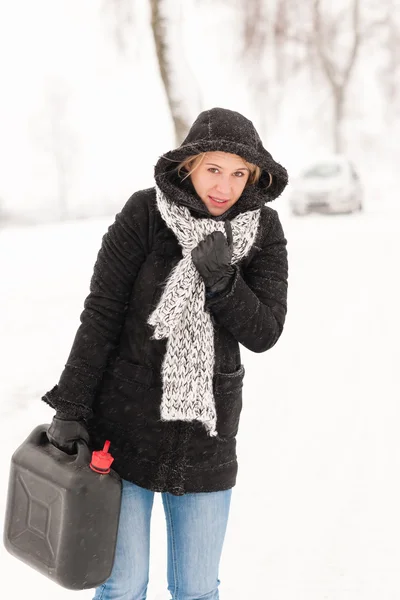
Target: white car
{"type": "Point", "coordinates": [329, 185]}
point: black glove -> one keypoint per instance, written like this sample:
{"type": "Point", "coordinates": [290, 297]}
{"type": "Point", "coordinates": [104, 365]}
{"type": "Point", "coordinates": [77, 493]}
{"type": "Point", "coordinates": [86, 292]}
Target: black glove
{"type": "Point", "coordinates": [65, 433]}
{"type": "Point", "coordinates": [212, 258]}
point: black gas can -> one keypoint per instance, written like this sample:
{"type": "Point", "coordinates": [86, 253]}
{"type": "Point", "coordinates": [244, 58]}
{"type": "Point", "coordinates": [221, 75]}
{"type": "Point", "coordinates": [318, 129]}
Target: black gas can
{"type": "Point", "coordinates": [62, 511]}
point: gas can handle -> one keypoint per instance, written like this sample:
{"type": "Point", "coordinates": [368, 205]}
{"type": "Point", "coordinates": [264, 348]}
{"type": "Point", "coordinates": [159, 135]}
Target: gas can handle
{"type": "Point", "coordinates": [83, 454]}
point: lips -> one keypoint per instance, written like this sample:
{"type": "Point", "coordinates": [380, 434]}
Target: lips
{"type": "Point", "coordinates": [220, 201]}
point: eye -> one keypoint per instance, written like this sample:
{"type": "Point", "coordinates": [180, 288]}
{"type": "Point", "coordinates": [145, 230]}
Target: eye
{"type": "Point", "coordinates": [239, 174]}
{"type": "Point", "coordinates": [213, 170]}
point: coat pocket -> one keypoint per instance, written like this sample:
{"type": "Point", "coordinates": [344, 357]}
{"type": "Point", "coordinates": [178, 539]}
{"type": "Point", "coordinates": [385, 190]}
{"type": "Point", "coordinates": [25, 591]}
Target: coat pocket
{"type": "Point", "coordinates": [228, 401]}
{"type": "Point", "coordinates": [134, 373]}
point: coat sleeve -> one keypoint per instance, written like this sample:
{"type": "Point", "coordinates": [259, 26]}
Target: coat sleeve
{"type": "Point", "coordinates": [123, 250]}
{"type": "Point", "coordinates": [254, 307]}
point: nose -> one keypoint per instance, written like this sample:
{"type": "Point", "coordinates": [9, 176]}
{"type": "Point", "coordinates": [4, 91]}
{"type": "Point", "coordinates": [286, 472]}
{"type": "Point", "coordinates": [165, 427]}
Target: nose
{"type": "Point", "coordinates": [223, 186]}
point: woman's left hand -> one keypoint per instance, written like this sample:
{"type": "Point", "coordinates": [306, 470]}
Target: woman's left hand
{"type": "Point", "coordinates": [212, 258]}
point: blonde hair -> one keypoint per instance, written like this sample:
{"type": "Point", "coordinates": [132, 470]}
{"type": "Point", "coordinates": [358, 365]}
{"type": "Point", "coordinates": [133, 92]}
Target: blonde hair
{"type": "Point", "coordinates": [192, 163]}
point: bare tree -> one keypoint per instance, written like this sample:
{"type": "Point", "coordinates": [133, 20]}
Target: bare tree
{"type": "Point", "coordinates": [122, 15]}
{"type": "Point", "coordinates": [275, 47]}
{"type": "Point", "coordinates": [338, 71]}
{"type": "Point", "coordinates": [124, 20]}
{"type": "Point", "coordinates": [254, 30]}
{"type": "Point", "coordinates": [390, 72]}
{"type": "Point", "coordinates": [160, 34]}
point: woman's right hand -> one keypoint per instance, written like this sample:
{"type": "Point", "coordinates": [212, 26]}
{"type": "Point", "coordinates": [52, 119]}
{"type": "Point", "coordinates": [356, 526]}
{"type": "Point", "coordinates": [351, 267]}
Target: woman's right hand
{"type": "Point", "coordinates": [212, 259]}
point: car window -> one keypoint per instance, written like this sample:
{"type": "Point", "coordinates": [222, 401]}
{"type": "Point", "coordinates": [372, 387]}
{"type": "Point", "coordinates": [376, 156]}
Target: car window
{"type": "Point", "coordinates": [323, 170]}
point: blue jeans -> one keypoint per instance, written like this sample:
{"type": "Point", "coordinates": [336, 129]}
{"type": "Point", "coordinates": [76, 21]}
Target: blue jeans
{"type": "Point", "coordinates": [196, 525]}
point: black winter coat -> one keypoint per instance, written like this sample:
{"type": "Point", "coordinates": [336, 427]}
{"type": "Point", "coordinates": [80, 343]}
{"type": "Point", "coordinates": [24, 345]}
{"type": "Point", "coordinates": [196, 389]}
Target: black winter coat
{"type": "Point", "coordinates": [112, 375]}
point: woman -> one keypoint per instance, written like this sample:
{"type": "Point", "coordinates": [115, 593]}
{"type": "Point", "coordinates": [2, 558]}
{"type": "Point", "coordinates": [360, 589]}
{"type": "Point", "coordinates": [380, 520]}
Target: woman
{"type": "Point", "coordinates": [189, 270]}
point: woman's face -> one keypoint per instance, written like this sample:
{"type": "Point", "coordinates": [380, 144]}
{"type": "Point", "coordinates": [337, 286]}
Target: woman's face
{"type": "Point", "coordinates": [219, 180]}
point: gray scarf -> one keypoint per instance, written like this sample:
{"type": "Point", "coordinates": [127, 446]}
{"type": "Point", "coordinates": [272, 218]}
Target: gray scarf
{"type": "Point", "coordinates": [188, 366]}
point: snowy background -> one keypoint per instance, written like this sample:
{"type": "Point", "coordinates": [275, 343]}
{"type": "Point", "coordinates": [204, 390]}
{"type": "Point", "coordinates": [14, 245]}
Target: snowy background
{"type": "Point", "coordinates": [321, 409]}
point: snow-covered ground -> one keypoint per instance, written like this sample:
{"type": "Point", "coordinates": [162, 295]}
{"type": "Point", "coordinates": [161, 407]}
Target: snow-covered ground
{"type": "Point", "coordinates": [315, 513]}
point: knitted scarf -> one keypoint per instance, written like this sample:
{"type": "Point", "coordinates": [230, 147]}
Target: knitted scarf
{"type": "Point", "coordinates": [188, 365]}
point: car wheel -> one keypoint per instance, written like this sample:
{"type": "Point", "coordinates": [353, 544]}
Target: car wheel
{"type": "Point", "coordinates": [358, 206]}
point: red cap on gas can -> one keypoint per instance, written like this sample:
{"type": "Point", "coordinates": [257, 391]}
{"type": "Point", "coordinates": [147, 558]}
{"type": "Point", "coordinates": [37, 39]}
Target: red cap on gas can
{"type": "Point", "coordinates": [102, 460]}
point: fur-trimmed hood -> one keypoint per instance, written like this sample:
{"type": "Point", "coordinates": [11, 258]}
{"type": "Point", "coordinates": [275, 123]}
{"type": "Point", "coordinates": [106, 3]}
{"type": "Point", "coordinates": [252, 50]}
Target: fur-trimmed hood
{"type": "Point", "coordinates": [221, 130]}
